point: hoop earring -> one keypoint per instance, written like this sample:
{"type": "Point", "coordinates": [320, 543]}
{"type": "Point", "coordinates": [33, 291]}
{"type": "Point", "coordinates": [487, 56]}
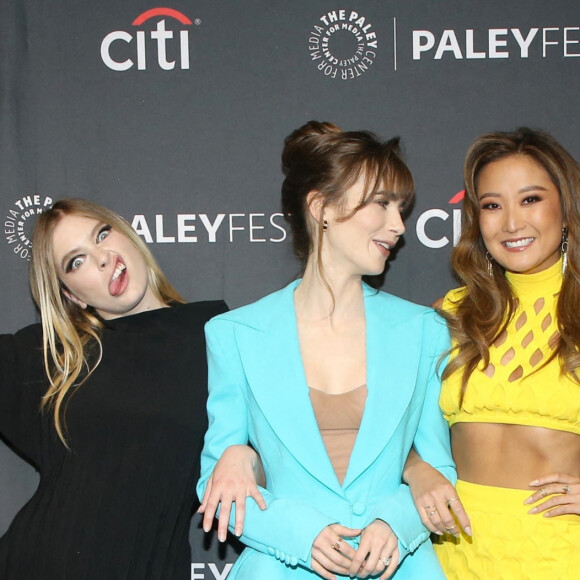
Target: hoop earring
{"type": "Point", "coordinates": [324, 225]}
{"type": "Point", "coordinates": [489, 260]}
{"type": "Point", "coordinates": [564, 248]}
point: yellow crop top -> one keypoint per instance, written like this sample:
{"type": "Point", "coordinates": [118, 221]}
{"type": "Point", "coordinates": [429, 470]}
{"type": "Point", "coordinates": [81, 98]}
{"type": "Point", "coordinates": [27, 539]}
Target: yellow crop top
{"type": "Point", "coordinates": [507, 391]}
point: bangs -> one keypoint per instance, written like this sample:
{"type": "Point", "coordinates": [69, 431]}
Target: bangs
{"type": "Point", "coordinates": [391, 178]}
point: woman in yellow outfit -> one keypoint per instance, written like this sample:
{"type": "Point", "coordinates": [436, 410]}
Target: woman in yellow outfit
{"type": "Point", "coordinates": [511, 391]}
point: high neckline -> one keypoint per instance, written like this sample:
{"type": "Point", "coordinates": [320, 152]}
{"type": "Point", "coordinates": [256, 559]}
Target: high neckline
{"type": "Point", "coordinates": [136, 322]}
{"type": "Point", "coordinates": [544, 282]}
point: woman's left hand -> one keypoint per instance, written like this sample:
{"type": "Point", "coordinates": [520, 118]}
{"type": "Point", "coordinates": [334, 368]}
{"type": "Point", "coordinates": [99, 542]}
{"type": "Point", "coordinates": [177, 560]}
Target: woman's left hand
{"type": "Point", "coordinates": [435, 499]}
{"type": "Point", "coordinates": [378, 552]}
{"type": "Point", "coordinates": [235, 477]}
{"type": "Point", "coordinates": [565, 492]}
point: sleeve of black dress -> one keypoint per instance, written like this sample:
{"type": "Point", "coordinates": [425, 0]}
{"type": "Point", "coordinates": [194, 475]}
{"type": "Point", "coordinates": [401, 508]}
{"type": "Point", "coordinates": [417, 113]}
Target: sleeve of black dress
{"type": "Point", "coordinates": [22, 384]}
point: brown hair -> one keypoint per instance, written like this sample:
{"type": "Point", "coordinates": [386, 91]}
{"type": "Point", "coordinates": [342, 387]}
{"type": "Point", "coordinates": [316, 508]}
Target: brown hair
{"type": "Point", "coordinates": [320, 157]}
{"type": "Point", "coordinates": [68, 330]}
{"type": "Point", "coordinates": [489, 303]}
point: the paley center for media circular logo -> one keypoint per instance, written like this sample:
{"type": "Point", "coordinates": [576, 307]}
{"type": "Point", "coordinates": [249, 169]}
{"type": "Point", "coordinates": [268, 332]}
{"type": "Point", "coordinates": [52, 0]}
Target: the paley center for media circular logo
{"type": "Point", "coordinates": [19, 222]}
{"type": "Point", "coordinates": [343, 44]}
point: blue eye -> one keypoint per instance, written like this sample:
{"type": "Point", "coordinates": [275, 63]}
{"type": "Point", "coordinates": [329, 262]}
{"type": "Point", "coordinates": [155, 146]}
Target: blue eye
{"type": "Point", "coordinates": [74, 263]}
{"type": "Point", "coordinates": [103, 233]}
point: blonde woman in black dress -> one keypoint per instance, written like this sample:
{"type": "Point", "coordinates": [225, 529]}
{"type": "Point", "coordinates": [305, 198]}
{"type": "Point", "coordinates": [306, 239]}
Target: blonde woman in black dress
{"type": "Point", "coordinates": [106, 399]}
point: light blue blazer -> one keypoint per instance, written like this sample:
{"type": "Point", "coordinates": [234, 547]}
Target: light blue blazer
{"type": "Point", "coordinates": [258, 394]}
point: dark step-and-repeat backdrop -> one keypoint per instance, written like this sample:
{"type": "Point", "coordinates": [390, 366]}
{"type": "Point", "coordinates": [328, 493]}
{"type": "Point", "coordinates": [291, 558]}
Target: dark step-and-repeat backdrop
{"type": "Point", "coordinates": [174, 115]}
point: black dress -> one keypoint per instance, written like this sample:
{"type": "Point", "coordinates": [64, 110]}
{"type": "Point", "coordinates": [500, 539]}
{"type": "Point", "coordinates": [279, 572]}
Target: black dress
{"type": "Point", "coordinates": [118, 504]}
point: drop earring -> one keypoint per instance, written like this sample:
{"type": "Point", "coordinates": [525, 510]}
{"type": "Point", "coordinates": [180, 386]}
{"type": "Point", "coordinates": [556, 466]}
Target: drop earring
{"type": "Point", "coordinates": [324, 225]}
{"type": "Point", "coordinates": [489, 260]}
{"type": "Point", "coordinates": [564, 248]}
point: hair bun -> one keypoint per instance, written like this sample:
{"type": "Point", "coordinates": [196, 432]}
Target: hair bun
{"type": "Point", "coordinates": [314, 128]}
{"type": "Point", "coordinates": [302, 141]}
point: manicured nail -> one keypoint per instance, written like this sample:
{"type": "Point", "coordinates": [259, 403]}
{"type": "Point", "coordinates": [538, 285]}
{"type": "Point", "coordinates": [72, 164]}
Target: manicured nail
{"type": "Point", "coordinates": [221, 537]}
{"type": "Point", "coordinates": [533, 510]}
{"type": "Point", "coordinates": [529, 500]}
{"type": "Point", "coordinates": [535, 482]}
{"type": "Point", "coordinates": [468, 531]}
{"type": "Point", "coordinates": [238, 531]}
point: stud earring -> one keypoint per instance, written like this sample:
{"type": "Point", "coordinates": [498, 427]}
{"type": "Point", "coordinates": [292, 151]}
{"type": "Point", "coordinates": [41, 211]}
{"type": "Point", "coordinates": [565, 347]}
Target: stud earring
{"type": "Point", "coordinates": [324, 225]}
{"type": "Point", "coordinates": [489, 260]}
{"type": "Point", "coordinates": [564, 248]}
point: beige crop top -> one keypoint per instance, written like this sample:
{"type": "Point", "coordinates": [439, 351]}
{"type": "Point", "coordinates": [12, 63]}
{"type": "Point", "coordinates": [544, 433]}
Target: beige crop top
{"type": "Point", "coordinates": [339, 418]}
{"type": "Point", "coordinates": [507, 391]}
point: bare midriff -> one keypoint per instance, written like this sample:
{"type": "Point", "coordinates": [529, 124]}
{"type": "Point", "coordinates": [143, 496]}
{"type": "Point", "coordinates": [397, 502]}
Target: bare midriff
{"type": "Point", "coordinates": [512, 455]}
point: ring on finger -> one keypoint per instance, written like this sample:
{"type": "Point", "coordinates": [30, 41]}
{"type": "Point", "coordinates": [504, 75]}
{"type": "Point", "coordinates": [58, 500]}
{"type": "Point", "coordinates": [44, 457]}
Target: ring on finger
{"type": "Point", "coordinates": [430, 511]}
{"type": "Point", "coordinates": [386, 561]}
{"type": "Point", "coordinates": [448, 502]}
{"type": "Point", "coordinates": [566, 488]}
{"type": "Point", "coordinates": [543, 492]}
{"type": "Point", "coordinates": [336, 546]}
{"type": "Point", "coordinates": [449, 528]}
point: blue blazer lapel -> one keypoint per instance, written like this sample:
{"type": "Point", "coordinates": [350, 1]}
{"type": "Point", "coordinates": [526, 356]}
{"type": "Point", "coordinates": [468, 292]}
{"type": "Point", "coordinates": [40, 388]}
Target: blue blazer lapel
{"type": "Point", "coordinates": [270, 354]}
{"type": "Point", "coordinates": [393, 349]}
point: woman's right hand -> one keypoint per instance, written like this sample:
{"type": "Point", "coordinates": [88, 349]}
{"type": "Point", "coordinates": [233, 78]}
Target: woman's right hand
{"type": "Point", "coordinates": [435, 498]}
{"type": "Point", "coordinates": [330, 555]}
{"type": "Point", "coordinates": [235, 477]}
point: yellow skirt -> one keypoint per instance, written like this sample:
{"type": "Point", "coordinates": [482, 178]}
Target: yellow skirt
{"type": "Point", "coordinates": [508, 543]}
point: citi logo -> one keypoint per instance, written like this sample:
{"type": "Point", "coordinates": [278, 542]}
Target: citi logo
{"type": "Point", "coordinates": [170, 46]}
{"type": "Point", "coordinates": [427, 229]}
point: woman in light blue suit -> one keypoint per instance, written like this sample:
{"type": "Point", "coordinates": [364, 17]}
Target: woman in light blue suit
{"type": "Point", "coordinates": [331, 381]}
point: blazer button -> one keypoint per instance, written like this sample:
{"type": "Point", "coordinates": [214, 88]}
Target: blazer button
{"type": "Point", "coordinates": [271, 551]}
{"type": "Point", "coordinates": [359, 508]}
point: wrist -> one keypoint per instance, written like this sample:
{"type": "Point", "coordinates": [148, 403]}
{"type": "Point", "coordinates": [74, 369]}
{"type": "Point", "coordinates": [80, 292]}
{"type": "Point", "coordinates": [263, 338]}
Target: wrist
{"type": "Point", "coordinates": [413, 472]}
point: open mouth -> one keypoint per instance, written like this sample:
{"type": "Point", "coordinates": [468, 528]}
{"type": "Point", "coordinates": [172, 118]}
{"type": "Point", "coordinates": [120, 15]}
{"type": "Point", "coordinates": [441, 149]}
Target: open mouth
{"type": "Point", "coordinates": [521, 243]}
{"type": "Point", "coordinates": [118, 279]}
{"type": "Point", "coordinates": [384, 248]}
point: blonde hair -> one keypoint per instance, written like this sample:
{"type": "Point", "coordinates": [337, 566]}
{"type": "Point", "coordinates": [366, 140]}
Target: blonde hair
{"type": "Point", "coordinates": [69, 331]}
{"type": "Point", "coordinates": [488, 305]}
